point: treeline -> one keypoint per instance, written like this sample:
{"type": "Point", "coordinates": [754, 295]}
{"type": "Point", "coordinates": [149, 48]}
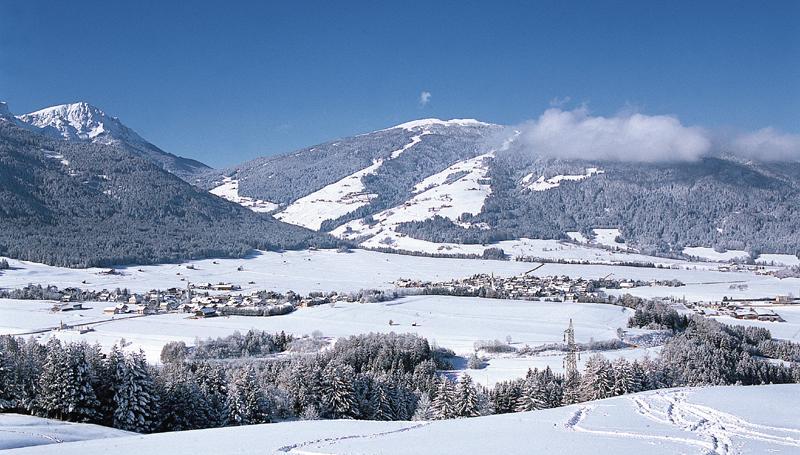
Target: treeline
{"type": "Point", "coordinates": [376, 376]}
{"type": "Point", "coordinates": [236, 380]}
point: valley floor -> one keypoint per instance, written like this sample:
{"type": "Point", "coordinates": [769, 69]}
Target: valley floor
{"type": "Point", "coordinates": [714, 420]}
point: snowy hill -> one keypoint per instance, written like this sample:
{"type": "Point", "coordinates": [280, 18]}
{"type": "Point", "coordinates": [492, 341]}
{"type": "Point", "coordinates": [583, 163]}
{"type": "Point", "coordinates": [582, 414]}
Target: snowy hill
{"type": "Point", "coordinates": [715, 420]}
{"type": "Point", "coordinates": [25, 431]}
{"type": "Point", "coordinates": [84, 122]}
{"type": "Point", "coordinates": [427, 184]}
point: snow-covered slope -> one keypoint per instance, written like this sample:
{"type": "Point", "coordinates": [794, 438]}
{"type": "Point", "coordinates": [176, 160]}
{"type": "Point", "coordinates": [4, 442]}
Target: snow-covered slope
{"type": "Point", "coordinates": [229, 189]}
{"type": "Point", "coordinates": [715, 420]}
{"type": "Point", "coordinates": [341, 197]}
{"type": "Point", "coordinates": [25, 431]}
{"type": "Point", "coordinates": [542, 184]}
{"type": "Point", "coordinates": [83, 122]}
{"type": "Point", "coordinates": [461, 188]}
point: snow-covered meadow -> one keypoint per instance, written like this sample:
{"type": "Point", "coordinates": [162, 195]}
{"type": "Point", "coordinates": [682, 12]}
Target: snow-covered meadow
{"type": "Point", "coordinates": [715, 420]}
{"type": "Point", "coordinates": [327, 270]}
{"type": "Point", "coordinates": [451, 322]}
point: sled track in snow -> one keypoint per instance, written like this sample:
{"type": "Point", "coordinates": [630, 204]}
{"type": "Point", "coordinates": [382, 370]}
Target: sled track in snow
{"type": "Point", "coordinates": [297, 448]}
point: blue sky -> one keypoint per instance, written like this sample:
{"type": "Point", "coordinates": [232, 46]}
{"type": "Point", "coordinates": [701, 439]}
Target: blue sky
{"type": "Point", "coordinates": [228, 81]}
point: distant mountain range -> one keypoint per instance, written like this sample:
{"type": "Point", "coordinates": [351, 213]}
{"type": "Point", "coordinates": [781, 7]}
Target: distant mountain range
{"type": "Point", "coordinates": [410, 187]}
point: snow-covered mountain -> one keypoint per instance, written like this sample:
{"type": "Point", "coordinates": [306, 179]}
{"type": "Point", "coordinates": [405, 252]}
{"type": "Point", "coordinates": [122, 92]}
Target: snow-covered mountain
{"type": "Point", "coordinates": [81, 203]}
{"type": "Point", "coordinates": [84, 122]}
{"type": "Point", "coordinates": [428, 183]}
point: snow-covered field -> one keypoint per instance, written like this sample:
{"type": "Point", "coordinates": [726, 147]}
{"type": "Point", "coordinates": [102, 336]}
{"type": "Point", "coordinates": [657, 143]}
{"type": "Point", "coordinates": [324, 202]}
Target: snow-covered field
{"type": "Point", "coordinates": [715, 420]}
{"type": "Point", "coordinates": [507, 367]}
{"type": "Point", "coordinates": [327, 270]}
{"type": "Point", "coordinates": [24, 431]}
{"type": "Point", "coordinates": [451, 322]}
{"type": "Point", "coordinates": [710, 254]}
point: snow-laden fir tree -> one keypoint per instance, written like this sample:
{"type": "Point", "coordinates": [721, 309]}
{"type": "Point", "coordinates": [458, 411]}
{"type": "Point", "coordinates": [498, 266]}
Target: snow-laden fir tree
{"type": "Point", "coordinates": [380, 403]}
{"type": "Point", "coordinates": [212, 383]}
{"type": "Point", "coordinates": [424, 409]}
{"type": "Point", "coordinates": [623, 377]}
{"type": "Point", "coordinates": [246, 402]}
{"type": "Point", "coordinates": [466, 398]}
{"type": "Point", "coordinates": [533, 396]}
{"type": "Point", "coordinates": [8, 393]}
{"type": "Point", "coordinates": [135, 400]}
{"type": "Point", "coordinates": [182, 405]}
{"type": "Point", "coordinates": [338, 395]}
{"type": "Point", "coordinates": [597, 381]}
{"type": "Point", "coordinates": [66, 382]}
{"type": "Point", "coordinates": [444, 401]}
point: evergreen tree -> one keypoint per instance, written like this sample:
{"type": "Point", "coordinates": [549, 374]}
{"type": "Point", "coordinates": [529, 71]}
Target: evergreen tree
{"type": "Point", "coordinates": [466, 398]}
{"type": "Point", "coordinates": [135, 400]}
{"type": "Point", "coordinates": [623, 377]}
{"type": "Point", "coordinates": [182, 405]}
{"type": "Point", "coordinates": [338, 394]}
{"type": "Point", "coordinates": [533, 396]}
{"type": "Point", "coordinates": [444, 402]}
{"type": "Point", "coordinates": [66, 385]}
{"type": "Point", "coordinates": [424, 409]}
{"type": "Point", "coordinates": [212, 383]}
{"type": "Point", "coordinates": [571, 390]}
{"type": "Point", "coordinates": [597, 381]}
{"type": "Point", "coordinates": [246, 402]}
{"type": "Point", "coordinates": [8, 392]}
{"type": "Point", "coordinates": [380, 404]}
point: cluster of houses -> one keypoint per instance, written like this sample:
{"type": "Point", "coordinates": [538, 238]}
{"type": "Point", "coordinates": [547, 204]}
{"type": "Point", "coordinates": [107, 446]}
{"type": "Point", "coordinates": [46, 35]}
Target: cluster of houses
{"type": "Point", "coordinates": [742, 312]}
{"type": "Point", "coordinates": [529, 287]}
{"type": "Point", "coordinates": [205, 300]}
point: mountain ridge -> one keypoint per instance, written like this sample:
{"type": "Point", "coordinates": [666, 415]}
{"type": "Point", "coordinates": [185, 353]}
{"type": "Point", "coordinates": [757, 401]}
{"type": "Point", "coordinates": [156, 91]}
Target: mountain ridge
{"type": "Point", "coordinates": [81, 121]}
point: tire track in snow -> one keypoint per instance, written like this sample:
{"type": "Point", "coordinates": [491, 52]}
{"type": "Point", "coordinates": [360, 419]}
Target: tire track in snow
{"type": "Point", "coordinates": [297, 448]}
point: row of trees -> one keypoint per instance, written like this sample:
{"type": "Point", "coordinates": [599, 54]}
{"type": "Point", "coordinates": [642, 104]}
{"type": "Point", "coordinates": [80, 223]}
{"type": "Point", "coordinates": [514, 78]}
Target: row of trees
{"type": "Point", "coordinates": [234, 381]}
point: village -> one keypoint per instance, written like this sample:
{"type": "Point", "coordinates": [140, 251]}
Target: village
{"type": "Point", "coordinates": [203, 300]}
{"type": "Point", "coordinates": [557, 288]}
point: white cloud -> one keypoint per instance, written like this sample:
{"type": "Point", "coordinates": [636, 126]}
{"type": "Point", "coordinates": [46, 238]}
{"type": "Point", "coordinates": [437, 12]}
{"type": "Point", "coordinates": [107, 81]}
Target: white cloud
{"type": "Point", "coordinates": [575, 134]}
{"type": "Point", "coordinates": [424, 98]}
{"type": "Point", "coordinates": [767, 144]}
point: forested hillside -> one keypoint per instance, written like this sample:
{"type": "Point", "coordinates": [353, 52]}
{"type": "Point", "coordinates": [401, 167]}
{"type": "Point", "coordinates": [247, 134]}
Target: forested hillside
{"type": "Point", "coordinates": [421, 180]}
{"type": "Point", "coordinates": [717, 202]}
{"type": "Point", "coordinates": [82, 204]}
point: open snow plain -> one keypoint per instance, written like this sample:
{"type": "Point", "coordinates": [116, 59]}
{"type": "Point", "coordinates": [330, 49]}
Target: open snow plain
{"type": "Point", "coordinates": [327, 270]}
{"type": "Point", "coordinates": [451, 322]}
{"type": "Point", "coordinates": [761, 419]}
